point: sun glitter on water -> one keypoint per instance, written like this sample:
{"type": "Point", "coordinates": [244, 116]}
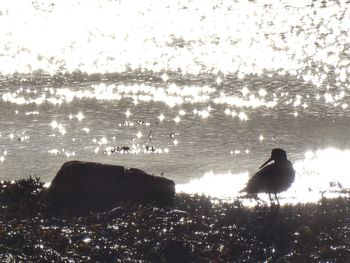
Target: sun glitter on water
{"type": "Point", "coordinates": [322, 173]}
{"type": "Point", "coordinates": [239, 37]}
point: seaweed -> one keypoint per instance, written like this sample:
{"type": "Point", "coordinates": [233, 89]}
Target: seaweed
{"type": "Point", "coordinates": [199, 229]}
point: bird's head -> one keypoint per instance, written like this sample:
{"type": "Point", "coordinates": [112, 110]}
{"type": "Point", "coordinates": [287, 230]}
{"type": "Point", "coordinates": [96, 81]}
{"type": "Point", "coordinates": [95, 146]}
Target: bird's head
{"type": "Point", "coordinates": [277, 155]}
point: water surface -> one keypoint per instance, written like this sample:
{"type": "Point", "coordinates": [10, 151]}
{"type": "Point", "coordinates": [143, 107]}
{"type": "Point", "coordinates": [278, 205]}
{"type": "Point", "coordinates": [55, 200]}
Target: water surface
{"type": "Point", "coordinates": [202, 99]}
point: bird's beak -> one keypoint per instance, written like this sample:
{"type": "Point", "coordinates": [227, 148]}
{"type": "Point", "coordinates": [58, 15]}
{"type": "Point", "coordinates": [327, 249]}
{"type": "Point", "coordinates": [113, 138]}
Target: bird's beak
{"type": "Point", "coordinates": [269, 160]}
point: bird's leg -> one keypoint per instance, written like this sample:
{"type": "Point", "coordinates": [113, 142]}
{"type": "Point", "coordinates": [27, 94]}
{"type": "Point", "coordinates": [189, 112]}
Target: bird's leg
{"type": "Point", "coordinates": [278, 202]}
{"type": "Point", "coordinates": [270, 198]}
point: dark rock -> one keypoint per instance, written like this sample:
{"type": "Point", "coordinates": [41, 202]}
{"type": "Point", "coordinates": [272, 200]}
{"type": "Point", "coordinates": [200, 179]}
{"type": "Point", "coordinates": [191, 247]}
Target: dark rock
{"type": "Point", "coordinates": [88, 186]}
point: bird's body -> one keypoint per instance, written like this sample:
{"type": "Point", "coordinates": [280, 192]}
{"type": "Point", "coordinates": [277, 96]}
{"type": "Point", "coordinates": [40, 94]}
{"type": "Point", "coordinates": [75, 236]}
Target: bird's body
{"type": "Point", "coordinates": [273, 178]}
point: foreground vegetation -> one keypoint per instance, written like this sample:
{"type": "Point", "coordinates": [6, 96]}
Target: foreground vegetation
{"type": "Point", "coordinates": [198, 230]}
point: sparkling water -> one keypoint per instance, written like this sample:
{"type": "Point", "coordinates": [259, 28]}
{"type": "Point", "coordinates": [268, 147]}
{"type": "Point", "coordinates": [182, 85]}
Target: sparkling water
{"type": "Point", "coordinates": [196, 91]}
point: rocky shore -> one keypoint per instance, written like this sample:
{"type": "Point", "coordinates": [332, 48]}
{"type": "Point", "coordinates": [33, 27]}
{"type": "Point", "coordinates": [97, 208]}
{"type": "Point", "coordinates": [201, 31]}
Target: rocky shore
{"type": "Point", "coordinates": [197, 229]}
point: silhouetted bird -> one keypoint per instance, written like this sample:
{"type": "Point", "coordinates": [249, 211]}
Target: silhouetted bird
{"type": "Point", "coordinates": [273, 178]}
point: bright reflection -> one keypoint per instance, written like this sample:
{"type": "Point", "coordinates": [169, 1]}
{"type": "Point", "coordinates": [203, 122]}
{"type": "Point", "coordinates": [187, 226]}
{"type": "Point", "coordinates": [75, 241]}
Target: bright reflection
{"type": "Point", "coordinates": [87, 240]}
{"type": "Point", "coordinates": [86, 129]}
{"type": "Point", "coordinates": [59, 126]}
{"type": "Point", "coordinates": [127, 113]}
{"type": "Point", "coordinates": [63, 152]}
{"type": "Point", "coordinates": [238, 106]}
{"type": "Point", "coordinates": [217, 185]}
{"type": "Point", "coordinates": [320, 173]}
{"type": "Point", "coordinates": [103, 141]}
{"type": "Point", "coordinates": [239, 37]}
{"type": "Point", "coordinates": [177, 119]}
{"type": "Point", "coordinates": [171, 95]}
{"type": "Point", "coordinates": [80, 116]}
{"type": "Point", "coordinates": [139, 135]}
{"type": "Point", "coordinates": [324, 171]}
{"type": "Point", "coordinates": [202, 113]}
{"type": "Point", "coordinates": [161, 117]}
{"type": "Point", "coordinates": [182, 112]}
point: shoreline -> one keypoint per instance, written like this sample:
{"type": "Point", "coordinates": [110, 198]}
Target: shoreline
{"type": "Point", "coordinates": [197, 230]}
